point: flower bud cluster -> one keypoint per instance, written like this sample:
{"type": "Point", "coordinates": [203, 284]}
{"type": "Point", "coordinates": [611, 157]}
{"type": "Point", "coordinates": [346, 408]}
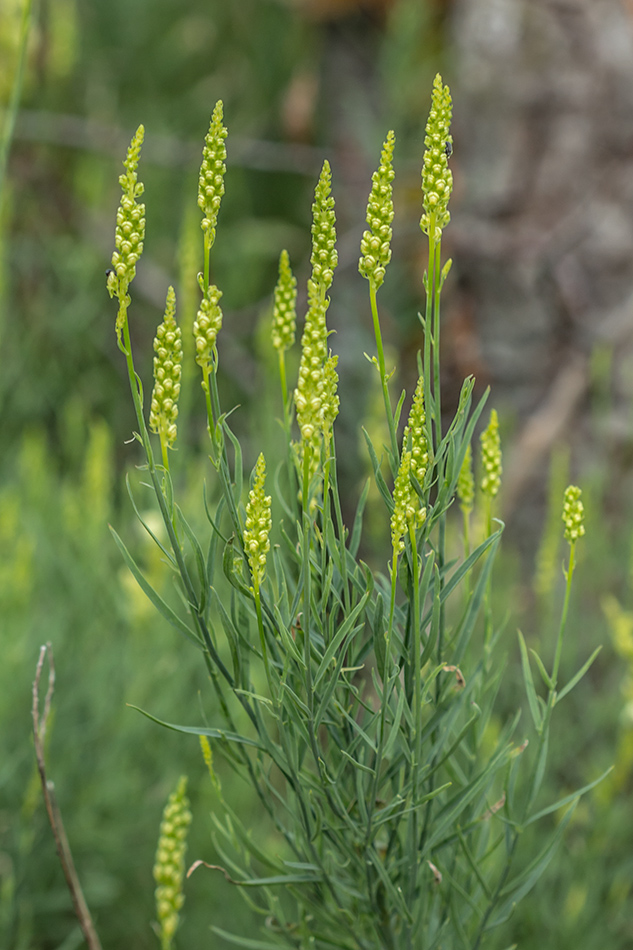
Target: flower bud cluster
{"type": "Point", "coordinates": [167, 373]}
{"type": "Point", "coordinates": [491, 457]}
{"type": "Point", "coordinates": [331, 402]}
{"type": "Point", "coordinates": [207, 325]}
{"type": "Point", "coordinates": [310, 391]}
{"type": "Point", "coordinates": [169, 865]}
{"type": "Point", "coordinates": [376, 243]}
{"type": "Point", "coordinates": [437, 178]}
{"type": "Point", "coordinates": [466, 482]}
{"type": "Point", "coordinates": [212, 170]}
{"type": "Point", "coordinates": [573, 514]}
{"type": "Point", "coordinates": [258, 524]}
{"type": "Point", "coordinates": [130, 222]}
{"type": "Point", "coordinates": [407, 511]}
{"type": "Point", "coordinates": [415, 434]}
{"type": "Point", "coordinates": [284, 312]}
{"type": "Point", "coordinates": [324, 256]}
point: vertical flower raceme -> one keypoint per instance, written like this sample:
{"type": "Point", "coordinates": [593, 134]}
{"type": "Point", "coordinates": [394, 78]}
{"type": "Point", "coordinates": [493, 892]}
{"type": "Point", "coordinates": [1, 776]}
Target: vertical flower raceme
{"type": "Point", "coordinates": [284, 312]}
{"type": "Point", "coordinates": [376, 242]}
{"type": "Point", "coordinates": [311, 384]}
{"type": "Point", "coordinates": [258, 524]}
{"type": "Point", "coordinates": [212, 170]}
{"type": "Point", "coordinates": [407, 511]}
{"type": "Point", "coordinates": [330, 401]}
{"type": "Point", "coordinates": [324, 257]}
{"type": "Point", "coordinates": [466, 483]}
{"type": "Point", "coordinates": [167, 372]}
{"type": "Point", "coordinates": [437, 179]}
{"type": "Point", "coordinates": [573, 514]}
{"type": "Point", "coordinates": [491, 457]}
{"type": "Point", "coordinates": [415, 434]}
{"type": "Point", "coordinates": [130, 230]}
{"type": "Point", "coordinates": [207, 325]}
{"type": "Point", "coordinates": [170, 862]}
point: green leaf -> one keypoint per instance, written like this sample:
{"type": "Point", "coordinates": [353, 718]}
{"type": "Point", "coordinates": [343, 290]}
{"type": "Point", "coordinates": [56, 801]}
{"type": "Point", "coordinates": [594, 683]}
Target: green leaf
{"type": "Point", "coordinates": [547, 679]}
{"type": "Point", "coordinates": [163, 608]}
{"type": "Point", "coordinates": [346, 629]}
{"type": "Point", "coordinates": [201, 730]}
{"type": "Point", "coordinates": [358, 520]}
{"type": "Point", "coordinates": [380, 481]}
{"type": "Point", "coordinates": [245, 941]}
{"type": "Point", "coordinates": [579, 675]}
{"type": "Point", "coordinates": [568, 798]}
{"type": "Point", "coordinates": [529, 685]}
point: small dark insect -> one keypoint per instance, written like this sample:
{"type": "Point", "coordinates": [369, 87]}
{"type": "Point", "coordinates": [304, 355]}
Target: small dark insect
{"type": "Point", "coordinates": [448, 148]}
{"type": "Point", "coordinates": [109, 271]}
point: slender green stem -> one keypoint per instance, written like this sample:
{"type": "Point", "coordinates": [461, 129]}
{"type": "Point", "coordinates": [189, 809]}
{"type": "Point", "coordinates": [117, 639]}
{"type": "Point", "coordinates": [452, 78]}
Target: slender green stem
{"type": "Point", "coordinates": [563, 620]}
{"type": "Point", "coordinates": [384, 379]}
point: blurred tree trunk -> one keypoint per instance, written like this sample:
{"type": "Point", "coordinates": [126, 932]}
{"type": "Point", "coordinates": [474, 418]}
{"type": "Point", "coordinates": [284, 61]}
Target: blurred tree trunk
{"type": "Point", "coordinates": [543, 218]}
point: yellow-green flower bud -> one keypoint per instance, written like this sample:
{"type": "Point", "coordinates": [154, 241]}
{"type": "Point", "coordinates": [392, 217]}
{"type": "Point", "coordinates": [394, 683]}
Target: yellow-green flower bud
{"type": "Point", "coordinates": [211, 178]}
{"type": "Point", "coordinates": [167, 372]}
{"type": "Point", "coordinates": [491, 457]}
{"type": "Point", "coordinates": [130, 223]}
{"type": "Point", "coordinates": [437, 178]}
{"type": "Point", "coordinates": [324, 256]}
{"type": "Point", "coordinates": [376, 243]}
{"type": "Point", "coordinates": [415, 434]}
{"type": "Point", "coordinates": [407, 511]}
{"type": "Point", "coordinates": [466, 483]}
{"type": "Point", "coordinates": [258, 524]}
{"type": "Point", "coordinates": [330, 402]}
{"type": "Point", "coordinates": [284, 313]}
{"type": "Point", "coordinates": [207, 325]}
{"type": "Point", "coordinates": [573, 514]}
{"type": "Point", "coordinates": [169, 866]}
{"type": "Point", "coordinates": [309, 393]}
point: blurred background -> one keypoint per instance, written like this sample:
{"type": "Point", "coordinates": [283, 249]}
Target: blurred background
{"type": "Point", "coordinates": [539, 306]}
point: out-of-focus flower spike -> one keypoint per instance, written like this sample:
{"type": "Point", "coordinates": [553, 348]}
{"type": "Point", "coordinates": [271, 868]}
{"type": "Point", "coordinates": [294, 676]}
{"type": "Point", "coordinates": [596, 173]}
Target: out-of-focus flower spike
{"type": "Point", "coordinates": [466, 483]}
{"type": "Point", "coordinates": [169, 866]}
{"type": "Point", "coordinates": [491, 457]}
{"type": "Point", "coordinates": [284, 312]}
{"type": "Point", "coordinates": [573, 514]}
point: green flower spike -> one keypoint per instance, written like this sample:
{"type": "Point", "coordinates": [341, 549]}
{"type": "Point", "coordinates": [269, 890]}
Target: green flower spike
{"type": "Point", "coordinates": [415, 434]}
{"type": "Point", "coordinates": [212, 170]}
{"type": "Point", "coordinates": [310, 385]}
{"type": "Point", "coordinates": [167, 372]}
{"type": "Point", "coordinates": [169, 866]}
{"type": "Point", "coordinates": [258, 524]}
{"type": "Point", "coordinates": [284, 313]}
{"type": "Point", "coordinates": [330, 402]}
{"type": "Point", "coordinates": [207, 325]}
{"type": "Point", "coordinates": [573, 514]}
{"type": "Point", "coordinates": [324, 256]}
{"type": "Point", "coordinates": [407, 509]}
{"type": "Point", "coordinates": [376, 243]}
{"type": "Point", "coordinates": [466, 483]}
{"type": "Point", "coordinates": [491, 457]}
{"type": "Point", "coordinates": [130, 230]}
{"type": "Point", "coordinates": [437, 178]}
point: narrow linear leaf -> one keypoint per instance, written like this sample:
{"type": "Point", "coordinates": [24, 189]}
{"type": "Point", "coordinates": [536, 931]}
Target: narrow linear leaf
{"type": "Point", "coordinates": [529, 684]}
{"type": "Point", "coordinates": [579, 675]}
{"type": "Point", "coordinates": [163, 608]}
{"type": "Point", "coordinates": [201, 730]}
{"type": "Point", "coordinates": [568, 798]}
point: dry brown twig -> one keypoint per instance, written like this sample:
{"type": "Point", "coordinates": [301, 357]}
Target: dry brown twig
{"type": "Point", "coordinates": [50, 800]}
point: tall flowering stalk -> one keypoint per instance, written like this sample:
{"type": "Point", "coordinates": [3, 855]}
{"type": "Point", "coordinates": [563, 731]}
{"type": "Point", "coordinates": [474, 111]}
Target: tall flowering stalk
{"type": "Point", "coordinates": [491, 467]}
{"type": "Point", "coordinates": [167, 373]}
{"type": "Point", "coordinates": [375, 256]}
{"type": "Point", "coordinates": [284, 319]}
